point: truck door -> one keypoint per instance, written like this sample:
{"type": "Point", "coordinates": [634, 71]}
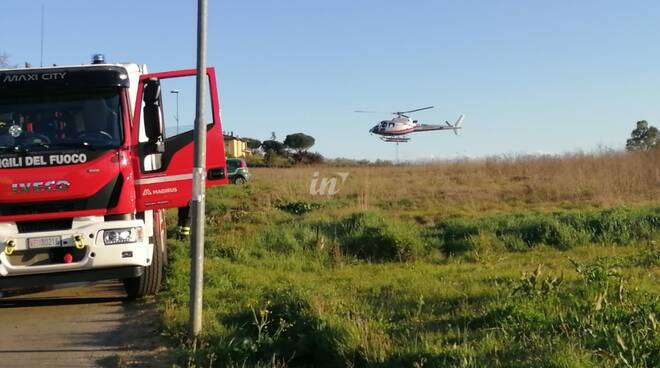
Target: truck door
{"type": "Point", "coordinates": [162, 151]}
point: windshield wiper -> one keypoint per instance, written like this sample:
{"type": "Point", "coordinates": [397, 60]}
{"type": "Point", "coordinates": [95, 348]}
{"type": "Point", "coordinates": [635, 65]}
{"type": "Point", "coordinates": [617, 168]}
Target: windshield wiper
{"type": "Point", "coordinates": [15, 149]}
{"type": "Point", "coordinates": [27, 149]}
{"type": "Point", "coordinates": [7, 148]}
{"type": "Point", "coordinates": [38, 144]}
{"type": "Point", "coordinates": [85, 145]}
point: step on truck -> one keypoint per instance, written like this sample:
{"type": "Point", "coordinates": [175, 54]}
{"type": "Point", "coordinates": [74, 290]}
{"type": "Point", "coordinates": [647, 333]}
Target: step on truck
{"type": "Point", "coordinates": [87, 170]}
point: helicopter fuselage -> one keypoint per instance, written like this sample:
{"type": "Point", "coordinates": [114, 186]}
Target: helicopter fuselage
{"type": "Point", "coordinates": [397, 126]}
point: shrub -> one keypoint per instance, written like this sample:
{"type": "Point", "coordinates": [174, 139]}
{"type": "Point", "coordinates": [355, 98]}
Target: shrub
{"type": "Point", "coordinates": [307, 158]}
{"type": "Point", "coordinates": [371, 237]}
{"type": "Point", "coordinates": [284, 239]}
{"type": "Point", "coordinates": [458, 235]}
{"type": "Point", "coordinates": [513, 243]}
{"type": "Point", "coordinates": [298, 208]}
{"type": "Point", "coordinates": [281, 327]}
{"type": "Point", "coordinates": [622, 226]}
{"type": "Point", "coordinates": [558, 230]}
{"type": "Point", "coordinates": [275, 159]}
{"type": "Point", "coordinates": [255, 160]}
{"type": "Point", "coordinates": [542, 230]}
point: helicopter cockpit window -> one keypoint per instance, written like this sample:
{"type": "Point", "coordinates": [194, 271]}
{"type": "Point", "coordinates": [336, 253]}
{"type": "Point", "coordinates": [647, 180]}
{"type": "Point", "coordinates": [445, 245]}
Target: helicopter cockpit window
{"type": "Point", "coordinates": [383, 123]}
{"type": "Point", "coordinates": [391, 124]}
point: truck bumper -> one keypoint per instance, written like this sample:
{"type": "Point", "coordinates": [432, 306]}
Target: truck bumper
{"type": "Point", "coordinates": [30, 281]}
{"type": "Point", "coordinates": [91, 252]}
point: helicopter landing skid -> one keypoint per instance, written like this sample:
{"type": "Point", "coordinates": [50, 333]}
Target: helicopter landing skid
{"type": "Point", "coordinates": [395, 139]}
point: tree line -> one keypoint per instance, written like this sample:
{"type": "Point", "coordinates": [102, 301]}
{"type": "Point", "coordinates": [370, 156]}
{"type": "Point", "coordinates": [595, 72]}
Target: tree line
{"type": "Point", "coordinates": [293, 150]}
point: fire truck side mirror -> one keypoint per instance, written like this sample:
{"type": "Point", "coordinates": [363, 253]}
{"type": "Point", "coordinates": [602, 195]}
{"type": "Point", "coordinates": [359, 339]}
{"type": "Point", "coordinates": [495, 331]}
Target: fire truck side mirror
{"type": "Point", "coordinates": [152, 97]}
{"type": "Point", "coordinates": [153, 124]}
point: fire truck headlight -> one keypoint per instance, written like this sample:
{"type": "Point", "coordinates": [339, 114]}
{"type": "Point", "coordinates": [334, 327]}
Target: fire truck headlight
{"type": "Point", "coordinates": [122, 236]}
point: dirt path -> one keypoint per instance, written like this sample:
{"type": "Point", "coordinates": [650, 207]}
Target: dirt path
{"type": "Point", "coordinates": [91, 326]}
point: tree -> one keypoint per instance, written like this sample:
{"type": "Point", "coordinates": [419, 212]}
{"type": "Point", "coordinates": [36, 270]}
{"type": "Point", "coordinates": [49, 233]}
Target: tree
{"type": "Point", "coordinates": [253, 144]}
{"type": "Point", "coordinates": [643, 138]}
{"type": "Point", "coordinates": [299, 141]}
{"type": "Point", "coordinates": [274, 146]}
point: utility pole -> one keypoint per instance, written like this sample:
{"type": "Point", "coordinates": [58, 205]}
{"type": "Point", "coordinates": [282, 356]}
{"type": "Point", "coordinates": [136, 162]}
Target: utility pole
{"type": "Point", "coordinates": [199, 181]}
{"type": "Point", "coordinates": [43, 16]}
{"type": "Point", "coordinates": [176, 91]}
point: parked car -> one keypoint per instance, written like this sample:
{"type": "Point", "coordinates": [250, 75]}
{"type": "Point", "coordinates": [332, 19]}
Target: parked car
{"type": "Point", "coordinates": [237, 171]}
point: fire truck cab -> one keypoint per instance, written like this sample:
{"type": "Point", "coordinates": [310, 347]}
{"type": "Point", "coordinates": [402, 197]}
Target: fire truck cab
{"type": "Point", "coordinates": [87, 170]}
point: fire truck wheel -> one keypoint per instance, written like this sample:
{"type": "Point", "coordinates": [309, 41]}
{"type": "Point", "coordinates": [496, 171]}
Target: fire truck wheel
{"type": "Point", "coordinates": [149, 282]}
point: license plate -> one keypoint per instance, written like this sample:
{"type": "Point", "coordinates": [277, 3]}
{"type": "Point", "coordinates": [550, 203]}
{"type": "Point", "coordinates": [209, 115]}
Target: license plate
{"type": "Point", "coordinates": [45, 242]}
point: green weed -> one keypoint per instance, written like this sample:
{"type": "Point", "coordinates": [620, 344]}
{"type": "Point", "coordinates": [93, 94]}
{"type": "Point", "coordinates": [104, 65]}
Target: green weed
{"type": "Point", "coordinates": [344, 286]}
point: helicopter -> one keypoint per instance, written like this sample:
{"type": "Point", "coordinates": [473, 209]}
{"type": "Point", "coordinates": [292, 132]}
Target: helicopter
{"type": "Point", "coordinates": [397, 129]}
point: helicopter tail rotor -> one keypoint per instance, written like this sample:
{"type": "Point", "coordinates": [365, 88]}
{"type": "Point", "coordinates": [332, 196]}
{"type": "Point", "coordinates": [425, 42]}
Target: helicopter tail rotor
{"type": "Point", "coordinates": [457, 124]}
{"type": "Point", "coordinates": [459, 121]}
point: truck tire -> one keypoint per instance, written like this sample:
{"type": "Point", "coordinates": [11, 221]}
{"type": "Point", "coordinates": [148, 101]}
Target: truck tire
{"type": "Point", "coordinates": [149, 282]}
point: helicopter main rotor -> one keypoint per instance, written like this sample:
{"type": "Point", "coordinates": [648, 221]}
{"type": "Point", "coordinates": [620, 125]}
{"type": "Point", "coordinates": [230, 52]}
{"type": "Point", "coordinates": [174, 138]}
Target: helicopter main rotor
{"type": "Point", "coordinates": [397, 113]}
{"type": "Point", "coordinates": [403, 113]}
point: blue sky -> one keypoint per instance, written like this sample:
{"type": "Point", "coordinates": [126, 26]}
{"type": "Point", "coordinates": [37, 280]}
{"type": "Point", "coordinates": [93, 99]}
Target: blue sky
{"type": "Point", "coordinates": [530, 76]}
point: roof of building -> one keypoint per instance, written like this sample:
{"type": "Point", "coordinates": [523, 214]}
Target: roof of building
{"type": "Point", "coordinates": [228, 137]}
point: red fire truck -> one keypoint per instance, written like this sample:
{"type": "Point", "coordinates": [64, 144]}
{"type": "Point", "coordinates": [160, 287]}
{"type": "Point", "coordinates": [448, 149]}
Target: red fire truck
{"type": "Point", "coordinates": [87, 170]}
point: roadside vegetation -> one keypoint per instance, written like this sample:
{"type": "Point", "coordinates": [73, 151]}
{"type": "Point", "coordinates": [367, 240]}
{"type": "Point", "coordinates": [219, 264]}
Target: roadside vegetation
{"type": "Point", "coordinates": [516, 262]}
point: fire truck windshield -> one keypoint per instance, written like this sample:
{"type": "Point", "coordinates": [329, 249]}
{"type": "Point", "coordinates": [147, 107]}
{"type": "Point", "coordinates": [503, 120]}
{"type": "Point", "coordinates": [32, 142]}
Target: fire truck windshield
{"type": "Point", "coordinates": [91, 120]}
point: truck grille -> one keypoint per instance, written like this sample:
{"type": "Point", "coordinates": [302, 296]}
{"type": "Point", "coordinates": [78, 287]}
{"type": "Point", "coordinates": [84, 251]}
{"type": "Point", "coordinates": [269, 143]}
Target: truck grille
{"type": "Point", "coordinates": [44, 225]}
{"type": "Point", "coordinates": [106, 198]}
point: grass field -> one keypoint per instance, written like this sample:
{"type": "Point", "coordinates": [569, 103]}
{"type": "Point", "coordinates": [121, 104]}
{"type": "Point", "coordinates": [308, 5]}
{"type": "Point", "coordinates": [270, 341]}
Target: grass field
{"type": "Point", "coordinates": [516, 262]}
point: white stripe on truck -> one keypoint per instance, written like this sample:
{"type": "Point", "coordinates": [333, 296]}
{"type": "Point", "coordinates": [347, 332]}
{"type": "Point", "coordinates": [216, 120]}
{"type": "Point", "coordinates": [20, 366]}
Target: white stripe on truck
{"type": "Point", "coordinates": [163, 179]}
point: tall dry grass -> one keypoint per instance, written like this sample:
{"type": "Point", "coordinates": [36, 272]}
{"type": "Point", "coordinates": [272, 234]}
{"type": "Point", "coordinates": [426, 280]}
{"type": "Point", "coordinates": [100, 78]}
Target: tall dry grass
{"type": "Point", "coordinates": [294, 284]}
{"type": "Point", "coordinates": [473, 186]}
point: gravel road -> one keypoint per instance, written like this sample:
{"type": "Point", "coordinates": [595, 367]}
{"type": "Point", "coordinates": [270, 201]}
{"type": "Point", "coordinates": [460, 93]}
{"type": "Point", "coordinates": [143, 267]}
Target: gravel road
{"type": "Point", "coordinates": [89, 326]}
